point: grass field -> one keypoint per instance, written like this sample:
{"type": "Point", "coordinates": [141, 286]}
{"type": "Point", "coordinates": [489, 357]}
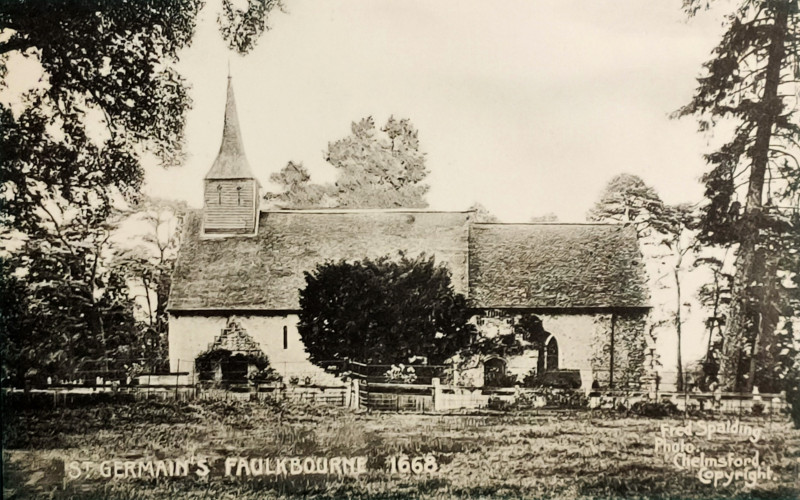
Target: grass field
{"type": "Point", "coordinates": [513, 455]}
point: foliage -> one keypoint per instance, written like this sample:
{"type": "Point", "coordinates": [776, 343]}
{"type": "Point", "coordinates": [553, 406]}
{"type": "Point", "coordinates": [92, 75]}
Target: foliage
{"type": "Point", "coordinates": [376, 169]}
{"type": "Point", "coordinates": [104, 63]}
{"type": "Point", "coordinates": [547, 217]}
{"type": "Point", "coordinates": [147, 260]}
{"type": "Point", "coordinates": [77, 320]}
{"type": "Point", "coordinates": [553, 397]}
{"type": "Point", "coordinates": [482, 214]}
{"type": "Point", "coordinates": [558, 379]}
{"type": "Point", "coordinates": [401, 374]}
{"type": "Point", "coordinates": [715, 296]}
{"type": "Point", "coordinates": [627, 199]}
{"type": "Point", "coordinates": [70, 153]}
{"type": "Point", "coordinates": [753, 185]}
{"type": "Point", "coordinates": [297, 189]}
{"type": "Point", "coordinates": [629, 349]}
{"type": "Point", "coordinates": [659, 409]}
{"type": "Point", "coordinates": [266, 375]}
{"type": "Point", "coordinates": [382, 311]}
{"type": "Point", "coordinates": [242, 28]}
{"type": "Point", "coordinates": [793, 395]}
{"type": "Point", "coordinates": [207, 362]}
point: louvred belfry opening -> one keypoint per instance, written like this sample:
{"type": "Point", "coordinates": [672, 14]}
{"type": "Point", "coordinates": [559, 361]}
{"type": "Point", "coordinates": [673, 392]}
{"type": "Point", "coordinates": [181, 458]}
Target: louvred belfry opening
{"type": "Point", "coordinates": [231, 189]}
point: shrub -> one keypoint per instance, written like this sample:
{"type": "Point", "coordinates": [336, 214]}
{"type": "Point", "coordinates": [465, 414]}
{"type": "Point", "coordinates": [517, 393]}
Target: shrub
{"type": "Point", "coordinates": [557, 379]}
{"type": "Point", "coordinates": [499, 405]}
{"type": "Point", "coordinates": [658, 409]}
{"type": "Point", "coordinates": [757, 409]}
{"type": "Point", "coordinates": [266, 375]}
{"type": "Point", "coordinates": [401, 374]}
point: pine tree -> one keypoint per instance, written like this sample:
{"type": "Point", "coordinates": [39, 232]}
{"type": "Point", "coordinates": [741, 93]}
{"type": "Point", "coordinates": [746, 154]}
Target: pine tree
{"type": "Point", "coordinates": [754, 180]}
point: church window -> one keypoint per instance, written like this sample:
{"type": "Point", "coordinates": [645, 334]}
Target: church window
{"type": "Point", "coordinates": [239, 195]}
{"type": "Point", "coordinates": [285, 337]}
{"type": "Point", "coordinates": [551, 354]}
{"type": "Point", "coordinates": [219, 193]}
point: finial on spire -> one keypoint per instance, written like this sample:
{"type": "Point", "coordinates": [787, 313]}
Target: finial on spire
{"type": "Point", "coordinates": [229, 68]}
{"type": "Point", "coordinates": [231, 162]}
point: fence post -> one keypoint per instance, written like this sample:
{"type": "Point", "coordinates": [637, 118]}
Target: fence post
{"type": "Point", "coordinates": [356, 397]}
{"type": "Point", "coordinates": [177, 378]}
{"type": "Point", "coordinates": [348, 394]}
{"type": "Point", "coordinates": [437, 394]}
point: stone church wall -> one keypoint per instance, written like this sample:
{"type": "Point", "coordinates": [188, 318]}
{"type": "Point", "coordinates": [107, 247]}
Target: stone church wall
{"type": "Point", "coordinates": [191, 335]}
{"type": "Point", "coordinates": [583, 344]}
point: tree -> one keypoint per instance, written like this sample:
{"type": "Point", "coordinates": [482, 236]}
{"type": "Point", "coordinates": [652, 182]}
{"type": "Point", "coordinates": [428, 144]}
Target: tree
{"type": "Point", "coordinates": [750, 82]}
{"type": "Point", "coordinates": [77, 315]}
{"type": "Point", "coordinates": [147, 259]}
{"type": "Point", "coordinates": [382, 311]}
{"type": "Point", "coordinates": [548, 217]}
{"type": "Point", "coordinates": [664, 233]}
{"type": "Point", "coordinates": [628, 200]}
{"type": "Point", "coordinates": [376, 169]}
{"type": "Point", "coordinates": [242, 28]}
{"type": "Point", "coordinates": [714, 296]}
{"type": "Point", "coordinates": [482, 214]}
{"type": "Point", "coordinates": [297, 189]}
{"type": "Point", "coordinates": [110, 94]}
{"type": "Point", "coordinates": [679, 242]}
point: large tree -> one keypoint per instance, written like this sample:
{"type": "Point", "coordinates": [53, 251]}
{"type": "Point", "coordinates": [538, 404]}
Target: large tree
{"type": "Point", "coordinates": [382, 311]}
{"type": "Point", "coordinates": [72, 317]}
{"type": "Point", "coordinates": [375, 169]}
{"type": "Point", "coordinates": [751, 83]}
{"type": "Point", "coordinates": [109, 92]}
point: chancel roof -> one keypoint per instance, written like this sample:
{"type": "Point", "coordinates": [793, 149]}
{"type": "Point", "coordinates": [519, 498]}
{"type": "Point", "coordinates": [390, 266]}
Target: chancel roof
{"type": "Point", "coordinates": [555, 266]}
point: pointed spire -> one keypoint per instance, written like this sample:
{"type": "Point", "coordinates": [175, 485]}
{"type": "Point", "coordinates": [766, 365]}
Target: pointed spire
{"type": "Point", "coordinates": [231, 162]}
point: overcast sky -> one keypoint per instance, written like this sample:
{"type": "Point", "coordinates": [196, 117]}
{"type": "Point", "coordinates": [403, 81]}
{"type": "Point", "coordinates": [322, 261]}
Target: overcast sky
{"type": "Point", "coordinates": [526, 106]}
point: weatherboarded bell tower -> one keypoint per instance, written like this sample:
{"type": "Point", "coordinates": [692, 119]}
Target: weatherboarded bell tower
{"type": "Point", "coordinates": [231, 190]}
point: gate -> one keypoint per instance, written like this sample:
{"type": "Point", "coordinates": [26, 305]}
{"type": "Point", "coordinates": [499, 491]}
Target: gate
{"type": "Point", "coordinates": [396, 397]}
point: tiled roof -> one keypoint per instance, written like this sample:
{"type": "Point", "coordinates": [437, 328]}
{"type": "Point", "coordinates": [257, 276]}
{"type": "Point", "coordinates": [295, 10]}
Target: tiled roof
{"type": "Point", "coordinates": [555, 266]}
{"type": "Point", "coordinates": [266, 271]}
{"type": "Point", "coordinates": [496, 265]}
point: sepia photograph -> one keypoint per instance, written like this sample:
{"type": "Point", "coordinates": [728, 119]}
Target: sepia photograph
{"type": "Point", "coordinates": [400, 249]}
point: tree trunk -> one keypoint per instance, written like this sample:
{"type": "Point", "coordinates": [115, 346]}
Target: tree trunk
{"type": "Point", "coordinates": [678, 323]}
{"type": "Point", "coordinates": [743, 330]}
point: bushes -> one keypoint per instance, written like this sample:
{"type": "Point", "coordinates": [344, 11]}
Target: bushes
{"type": "Point", "coordinates": [556, 379]}
{"type": "Point", "coordinates": [658, 409]}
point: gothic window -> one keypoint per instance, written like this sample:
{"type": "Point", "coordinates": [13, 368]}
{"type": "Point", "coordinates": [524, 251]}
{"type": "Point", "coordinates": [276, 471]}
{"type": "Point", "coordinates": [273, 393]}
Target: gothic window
{"type": "Point", "coordinates": [239, 195]}
{"type": "Point", "coordinates": [551, 354]}
{"type": "Point", "coordinates": [285, 337]}
{"type": "Point", "coordinates": [219, 194]}
{"type": "Point", "coordinates": [494, 370]}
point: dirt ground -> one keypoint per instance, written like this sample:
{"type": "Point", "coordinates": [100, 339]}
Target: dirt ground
{"type": "Point", "coordinates": [247, 450]}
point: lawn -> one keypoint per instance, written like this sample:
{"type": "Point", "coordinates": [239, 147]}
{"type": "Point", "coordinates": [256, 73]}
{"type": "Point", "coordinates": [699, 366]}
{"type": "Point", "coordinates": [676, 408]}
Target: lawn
{"type": "Point", "coordinates": [577, 454]}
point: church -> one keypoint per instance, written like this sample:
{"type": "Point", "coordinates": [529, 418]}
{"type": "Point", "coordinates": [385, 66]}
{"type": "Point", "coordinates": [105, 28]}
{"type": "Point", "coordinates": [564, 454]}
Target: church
{"type": "Point", "coordinates": [240, 268]}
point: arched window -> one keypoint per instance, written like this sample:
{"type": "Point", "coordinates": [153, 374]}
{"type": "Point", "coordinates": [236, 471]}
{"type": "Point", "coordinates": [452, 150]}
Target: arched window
{"type": "Point", "coordinates": [551, 354]}
{"type": "Point", "coordinates": [494, 370]}
{"type": "Point", "coordinates": [239, 195]}
{"type": "Point", "coordinates": [219, 194]}
{"type": "Point", "coordinates": [285, 337]}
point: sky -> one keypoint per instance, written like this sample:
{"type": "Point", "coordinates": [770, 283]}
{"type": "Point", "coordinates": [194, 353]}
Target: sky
{"type": "Point", "coordinates": [527, 107]}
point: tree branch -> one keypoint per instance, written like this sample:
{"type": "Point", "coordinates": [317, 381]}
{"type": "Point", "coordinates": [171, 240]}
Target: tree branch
{"type": "Point", "coordinates": [15, 44]}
